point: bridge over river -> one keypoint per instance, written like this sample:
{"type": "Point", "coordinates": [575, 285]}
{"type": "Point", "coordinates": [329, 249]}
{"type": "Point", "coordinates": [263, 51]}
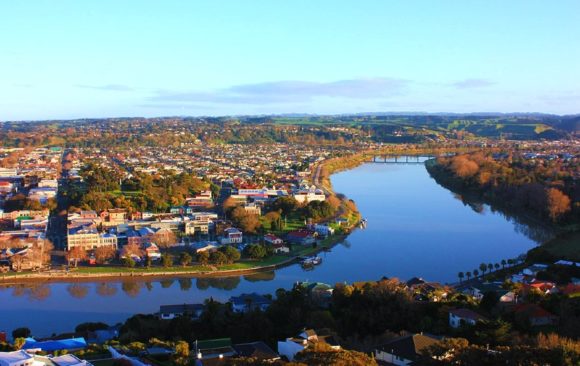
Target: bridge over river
{"type": "Point", "coordinates": [398, 159]}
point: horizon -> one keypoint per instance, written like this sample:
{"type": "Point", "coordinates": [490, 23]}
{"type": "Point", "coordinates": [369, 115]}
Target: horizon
{"type": "Point", "coordinates": [298, 115]}
{"type": "Point", "coordinates": [95, 60]}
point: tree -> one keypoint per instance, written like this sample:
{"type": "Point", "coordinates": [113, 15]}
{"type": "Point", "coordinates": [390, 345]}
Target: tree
{"type": "Point", "coordinates": [255, 251]}
{"type": "Point", "coordinates": [129, 262]}
{"type": "Point", "coordinates": [76, 254]}
{"type": "Point", "coordinates": [489, 267]}
{"type": "Point", "coordinates": [321, 354]}
{"type": "Point", "coordinates": [165, 238]}
{"type": "Point", "coordinates": [203, 257]}
{"type": "Point", "coordinates": [218, 258]}
{"type": "Point", "coordinates": [460, 275]}
{"type": "Point", "coordinates": [19, 342]}
{"type": "Point", "coordinates": [496, 266]}
{"type": "Point", "coordinates": [475, 273]}
{"type": "Point", "coordinates": [483, 268]}
{"type": "Point", "coordinates": [185, 259]}
{"type": "Point", "coordinates": [558, 203]}
{"type": "Point", "coordinates": [132, 250]}
{"type": "Point", "coordinates": [247, 222]}
{"type": "Point", "coordinates": [21, 333]}
{"type": "Point", "coordinates": [285, 204]}
{"type": "Point", "coordinates": [181, 355]}
{"type": "Point", "coordinates": [275, 220]}
{"type": "Point", "coordinates": [468, 275]}
{"type": "Point", "coordinates": [104, 253]}
{"type": "Point", "coordinates": [503, 263]}
{"type": "Point", "coordinates": [231, 253]}
{"type": "Point", "coordinates": [229, 204]}
{"type": "Point", "coordinates": [167, 260]}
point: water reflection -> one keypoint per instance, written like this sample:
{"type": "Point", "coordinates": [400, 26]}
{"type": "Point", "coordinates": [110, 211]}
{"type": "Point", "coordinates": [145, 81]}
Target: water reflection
{"type": "Point", "coordinates": [106, 289]}
{"type": "Point", "coordinates": [224, 283]}
{"type": "Point", "coordinates": [37, 292]}
{"type": "Point", "coordinates": [166, 283]}
{"type": "Point", "coordinates": [131, 288]}
{"type": "Point", "coordinates": [185, 284]}
{"type": "Point", "coordinates": [261, 276]}
{"type": "Point", "coordinates": [78, 291]}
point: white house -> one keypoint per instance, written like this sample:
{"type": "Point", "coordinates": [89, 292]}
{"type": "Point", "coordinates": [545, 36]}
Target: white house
{"type": "Point", "coordinates": [231, 236]}
{"type": "Point", "coordinates": [16, 358]}
{"type": "Point", "coordinates": [459, 317]}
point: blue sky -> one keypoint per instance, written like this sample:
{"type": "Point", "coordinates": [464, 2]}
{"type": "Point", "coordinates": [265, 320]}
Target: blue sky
{"type": "Point", "coordinates": [77, 59]}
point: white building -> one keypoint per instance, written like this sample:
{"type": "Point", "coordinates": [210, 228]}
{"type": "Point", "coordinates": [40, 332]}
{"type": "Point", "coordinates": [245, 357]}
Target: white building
{"type": "Point", "coordinates": [16, 358]}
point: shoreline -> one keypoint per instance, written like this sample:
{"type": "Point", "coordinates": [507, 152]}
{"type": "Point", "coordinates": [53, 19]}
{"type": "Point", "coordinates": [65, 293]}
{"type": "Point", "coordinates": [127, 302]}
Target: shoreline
{"type": "Point", "coordinates": [321, 174]}
{"type": "Point", "coordinates": [65, 277]}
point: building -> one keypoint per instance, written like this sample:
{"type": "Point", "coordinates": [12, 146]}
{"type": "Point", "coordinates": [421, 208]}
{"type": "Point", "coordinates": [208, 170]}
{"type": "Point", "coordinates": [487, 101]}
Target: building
{"type": "Point", "coordinates": [248, 302]}
{"type": "Point", "coordinates": [301, 237]}
{"type": "Point", "coordinates": [308, 337]}
{"type": "Point", "coordinates": [404, 350]}
{"type": "Point", "coordinates": [168, 312]}
{"type": "Point", "coordinates": [252, 209]}
{"type": "Point", "coordinates": [272, 239]}
{"type": "Point", "coordinates": [231, 236]}
{"type": "Point", "coordinates": [459, 317]}
{"type": "Point", "coordinates": [16, 358]}
{"type": "Point", "coordinates": [88, 238]}
{"type": "Point", "coordinates": [309, 195]}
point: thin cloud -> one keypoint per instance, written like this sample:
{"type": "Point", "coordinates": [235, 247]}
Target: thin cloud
{"type": "Point", "coordinates": [291, 91]}
{"type": "Point", "coordinates": [107, 87]}
{"type": "Point", "coordinates": [472, 83]}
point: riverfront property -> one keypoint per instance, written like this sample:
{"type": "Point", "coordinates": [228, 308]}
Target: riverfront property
{"type": "Point", "coordinates": [415, 228]}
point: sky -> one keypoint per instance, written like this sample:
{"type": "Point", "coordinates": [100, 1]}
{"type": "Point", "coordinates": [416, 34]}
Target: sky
{"type": "Point", "coordinates": [72, 59]}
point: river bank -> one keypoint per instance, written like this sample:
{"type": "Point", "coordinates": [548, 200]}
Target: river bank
{"type": "Point", "coordinates": [90, 274]}
{"type": "Point", "coordinates": [555, 241]}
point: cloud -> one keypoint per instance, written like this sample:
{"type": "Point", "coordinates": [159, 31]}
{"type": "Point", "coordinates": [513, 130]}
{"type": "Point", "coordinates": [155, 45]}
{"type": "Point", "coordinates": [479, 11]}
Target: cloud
{"type": "Point", "coordinates": [107, 87]}
{"type": "Point", "coordinates": [472, 83]}
{"type": "Point", "coordinates": [290, 91]}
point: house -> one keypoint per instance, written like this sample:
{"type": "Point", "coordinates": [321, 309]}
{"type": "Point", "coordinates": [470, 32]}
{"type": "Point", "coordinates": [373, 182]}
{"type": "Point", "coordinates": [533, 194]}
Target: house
{"type": "Point", "coordinates": [459, 317]}
{"type": "Point", "coordinates": [16, 358]}
{"type": "Point", "coordinates": [202, 200]}
{"type": "Point", "coordinates": [534, 269]}
{"type": "Point", "coordinates": [67, 360]}
{"type": "Point", "coordinates": [308, 337]}
{"type": "Point", "coordinates": [301, 237]}
{"type": "Point", "coordinates": [231, 236]}
{"type": "Point", "coordinates": [248, 302]}
{"type": "Point", "coordinates": [478, 291]}
{"type": "Point", "coordinates": [152, 251]}
{"type": "Point", "coordinates": [252, 209]}
{"type": "Point", "coordinates": [272, 239]}
{"type": "Point", "coordinates": [280, 248]}
{"type": "Point", "coordinates": [256, 350]}
{"type": "Point", "coordinates": [213, 349]}
{"type": "Point", "coordinates": [168, 312]}
{"type": "Point", "coordinates": [535, 315]}
{"type": "Point", "coordinates": [323, 230]}
{"type": "Point", "coordinates": [404, 350]}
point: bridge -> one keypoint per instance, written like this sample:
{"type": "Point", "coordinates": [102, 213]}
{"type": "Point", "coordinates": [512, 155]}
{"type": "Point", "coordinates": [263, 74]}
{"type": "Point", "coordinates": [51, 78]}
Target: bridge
{"type": "Point", "coordinates": [404, 159]}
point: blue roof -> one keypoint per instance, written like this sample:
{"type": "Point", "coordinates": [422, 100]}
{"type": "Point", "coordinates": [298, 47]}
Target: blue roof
{"type": "Point", "coordinates": [55, 345]}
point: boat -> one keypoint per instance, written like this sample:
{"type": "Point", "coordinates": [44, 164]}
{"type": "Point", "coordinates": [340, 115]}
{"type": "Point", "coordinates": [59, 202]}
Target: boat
{"type": "Point", "coordinates": [311, 261]}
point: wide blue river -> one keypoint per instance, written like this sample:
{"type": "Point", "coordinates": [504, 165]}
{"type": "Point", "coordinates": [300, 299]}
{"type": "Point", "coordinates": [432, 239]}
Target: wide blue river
{"type": "Point", "coordinates": [415, 228]}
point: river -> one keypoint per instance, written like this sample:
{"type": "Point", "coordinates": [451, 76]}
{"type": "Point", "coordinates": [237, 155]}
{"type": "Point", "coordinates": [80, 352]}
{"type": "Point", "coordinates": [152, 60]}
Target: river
{"type": "Point", "coordinates": [415, 228]}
